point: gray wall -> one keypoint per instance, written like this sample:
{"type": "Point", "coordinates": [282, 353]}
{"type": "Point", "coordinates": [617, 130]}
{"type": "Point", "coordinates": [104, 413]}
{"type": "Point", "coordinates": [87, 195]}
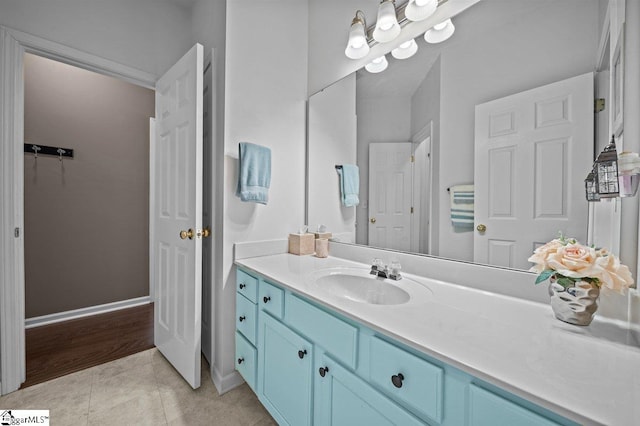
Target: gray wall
{"type": "Point", "coordinates": [332, 140]}
{"type": "Point", "coordinates": [86, 218]}
{"type": "Point", "coordinates": [150, 35]}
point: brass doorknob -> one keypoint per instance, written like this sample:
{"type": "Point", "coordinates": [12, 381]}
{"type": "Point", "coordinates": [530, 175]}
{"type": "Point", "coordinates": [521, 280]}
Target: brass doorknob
{"type": "Point", "coordinates": [204, 233]}
{"type": "Point", "coordinates": [186, 234]}
{"type": "Point", "coordinates": [372, 220]}
{"type": "Point", "coordinates": [481, 228]}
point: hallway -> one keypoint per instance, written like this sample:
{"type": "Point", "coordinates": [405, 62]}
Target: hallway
{"type": "Point", "coordinates": [66, 347]}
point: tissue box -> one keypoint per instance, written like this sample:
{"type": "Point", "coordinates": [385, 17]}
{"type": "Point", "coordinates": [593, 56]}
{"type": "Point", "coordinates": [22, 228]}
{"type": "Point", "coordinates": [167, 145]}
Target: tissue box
{"type": "Point", "coordinates": [302, 244]}
{"type": "Point", "coordinates": [326, 235]}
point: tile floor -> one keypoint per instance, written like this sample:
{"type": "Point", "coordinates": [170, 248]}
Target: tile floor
{"type": "Point", "coordinates": [141, 389]}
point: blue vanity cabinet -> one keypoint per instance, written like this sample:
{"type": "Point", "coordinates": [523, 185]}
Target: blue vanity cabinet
{"type": "Point", "coordinates": [345, 399]}
{"type": "Point", "coordinates": [246, 326]}
{"type": "Point", "coordinates": [489, 409]}
{"type": "Point", "coordinates": [285, 363]}
{"type": "Point", "coordinates": [407, 378]}
{"type": "Point", "coordinates": [310, 365]}
{"type": "Point", "coordinates": [246, 360]}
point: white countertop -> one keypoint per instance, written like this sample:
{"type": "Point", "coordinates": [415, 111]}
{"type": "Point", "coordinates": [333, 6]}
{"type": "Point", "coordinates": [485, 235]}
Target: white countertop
{"type": "Point", "coordinates": [589, 374]}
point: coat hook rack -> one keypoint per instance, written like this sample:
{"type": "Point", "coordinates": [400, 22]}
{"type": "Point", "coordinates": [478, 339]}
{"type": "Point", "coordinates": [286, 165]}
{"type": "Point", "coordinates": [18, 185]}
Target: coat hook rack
{"type": "Point", "coordinates": [55, 151]}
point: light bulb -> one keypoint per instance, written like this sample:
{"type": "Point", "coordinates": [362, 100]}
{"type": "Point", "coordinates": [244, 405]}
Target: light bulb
{"type": "Point", "coordinates": [418, 10]}
{"type": "Point", "coordinates": [377, 65]}
{"type": "Point", "coordinates": [440, 32]}
{"type": "Point", "coordinates": [387, 27]}
{"type": "Point", "coordinates": [405, 50]}
{"type": "Point", "coordinates": [357, 46]}
{"type": "Point", "coordinates": [441, 26]}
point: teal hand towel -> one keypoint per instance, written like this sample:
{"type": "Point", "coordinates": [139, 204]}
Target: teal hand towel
{"type": "Point", "coordinates": [254, 174]}
{"type": "Point", "coordinates": [349, 185]}
{"type": "Point", "coordinates": [462, 207]}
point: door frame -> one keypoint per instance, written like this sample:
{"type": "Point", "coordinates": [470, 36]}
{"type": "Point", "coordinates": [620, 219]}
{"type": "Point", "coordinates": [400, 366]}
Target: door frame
{"type": "Point", "coordinates": [14, 44]}
{"type": "Point", "coordinates": [423, 134]}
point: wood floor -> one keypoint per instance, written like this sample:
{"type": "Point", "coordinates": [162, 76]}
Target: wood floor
{"type": "Point", "coordinates": [59, 349]}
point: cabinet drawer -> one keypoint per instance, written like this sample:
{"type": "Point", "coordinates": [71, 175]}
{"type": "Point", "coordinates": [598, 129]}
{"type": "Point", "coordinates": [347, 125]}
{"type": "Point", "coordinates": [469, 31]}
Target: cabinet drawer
{"type": "Point", "coordinates": [346, 399]}
{"type": "Point", "coordinates": [271, 299]}
{"type": "Point", "coordinates": [407, 378]}
{"type": "Point", "coordinates": [489, 409]}
{"type": "Point", "coordinates": [334, 335]}
{"type": "Point", "coordinates": [246, 318]}
{"type": "Point", "coordinates": [247, 285]}
{"type": "Point", "coordinates": [246, 357]}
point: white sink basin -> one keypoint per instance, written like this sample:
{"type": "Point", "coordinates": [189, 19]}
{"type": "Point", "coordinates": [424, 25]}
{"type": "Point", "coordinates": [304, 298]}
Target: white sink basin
{"type": "Point", "coordinates": [359, 286]}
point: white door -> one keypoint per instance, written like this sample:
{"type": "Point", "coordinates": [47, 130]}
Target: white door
{"type": "Point", "coordinates": [532, 153]}
{"type": "Point", "coordinates": [390, 194]}
{"type": "Point", "coordinates": [178, 207]}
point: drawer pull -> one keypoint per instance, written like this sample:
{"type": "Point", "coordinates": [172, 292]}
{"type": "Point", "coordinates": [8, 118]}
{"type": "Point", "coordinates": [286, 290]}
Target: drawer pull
{"type": "Point", "coordinates": [266, 299]}
{"type": "Point", "coordinates": [240, 360]}
{"type": "Point", "coordinates": [242, 285]}
{"type": "Point", "coordinates": [323, 371]}
{"type": "Point", "coordinates": [302, 353]}
{"type": "Point", "coordinates": [397, 380]}
{"type": "Point", "coordinates": [242, 318]}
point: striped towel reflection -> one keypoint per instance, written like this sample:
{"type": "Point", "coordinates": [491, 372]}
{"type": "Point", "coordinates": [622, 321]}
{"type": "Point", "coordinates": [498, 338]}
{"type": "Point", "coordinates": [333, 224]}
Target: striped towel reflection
{"type": "Point", "coordinates": [462, 207]}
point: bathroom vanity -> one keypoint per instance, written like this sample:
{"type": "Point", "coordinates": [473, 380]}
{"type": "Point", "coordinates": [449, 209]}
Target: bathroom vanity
{"type": "Point", "coordinates": [316, 350]}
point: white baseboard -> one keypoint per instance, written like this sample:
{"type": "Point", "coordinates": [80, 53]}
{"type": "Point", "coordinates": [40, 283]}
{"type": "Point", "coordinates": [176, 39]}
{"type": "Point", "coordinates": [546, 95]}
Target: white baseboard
{"type": "Point", "coordinates": [226, 383]}
{"type": "Point", "coordinates": [84, 312]}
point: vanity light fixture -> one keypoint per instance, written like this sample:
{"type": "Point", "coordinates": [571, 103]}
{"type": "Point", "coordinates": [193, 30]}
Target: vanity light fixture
{"type": "Point", "coordinates": [387, 26]}
{"type": "Point", "coordinates": [405, 50]}
{"type": "Point", "coordinates": [377, 65]}
{"type": "Point", "coordinates": [440, 32]}
{"type": "Point", "coordinates": [419, 10]}
{"type": "Point", "coordinates": [606, 170]}
{"type": "Point", "coordinates": [357, 46]}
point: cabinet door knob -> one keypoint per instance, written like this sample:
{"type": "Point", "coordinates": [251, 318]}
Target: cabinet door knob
{"type": "Point", "coordinates": [266, 299]}
{"type": "Point", "coordinates": [240, 360]}
{"type": "Point", "coordinates": [242, 318]}
{"type": "Point", "coordinates": [323, 371]}
{"type": "Point", "coordinates": [397, 380]}
{"type": "Point", "coordinates": [481, 228]}
{"type": "Point", "coordinates": [242, 285]}
{"type": "Point", "coordinates": [302, 353]}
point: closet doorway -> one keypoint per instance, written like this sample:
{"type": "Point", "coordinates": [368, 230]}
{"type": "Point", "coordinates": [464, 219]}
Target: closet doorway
{"type": "Point", "coordinates": [86, 216]}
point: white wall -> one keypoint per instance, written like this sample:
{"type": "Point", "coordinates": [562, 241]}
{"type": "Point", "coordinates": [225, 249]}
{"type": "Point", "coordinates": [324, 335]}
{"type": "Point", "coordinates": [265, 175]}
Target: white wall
{"type": "Point", "coordinates": [463, 66]}
{"type": "Point", "coordinates": [332, 140]}
{"type": "Point", "coordinates": [395, 127]}
{"type": "Point", "coordinates": [425, 109]}
{"type": "Point", "coordinates": [266, 93]}
{"type": "Point", "coordinates": [149, 35]}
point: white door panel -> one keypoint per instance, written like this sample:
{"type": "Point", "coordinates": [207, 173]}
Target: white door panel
{"type": "Point", "coordinates": [390, 195]}
{"type": "Point", "coordinates": [177, 207]}
{"type": "Point", "coordinates": [532, 152]}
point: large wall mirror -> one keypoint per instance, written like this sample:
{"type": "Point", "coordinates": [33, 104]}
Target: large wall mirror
{"type": "Point", "coordinates": [493, 127]}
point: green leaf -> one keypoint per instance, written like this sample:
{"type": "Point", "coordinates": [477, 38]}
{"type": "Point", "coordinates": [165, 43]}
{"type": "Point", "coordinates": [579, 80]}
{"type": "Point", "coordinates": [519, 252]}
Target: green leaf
{"type": "Point", "coordinates": [566, 282]}
{"type": "Point", "coordinates": [544, 276]}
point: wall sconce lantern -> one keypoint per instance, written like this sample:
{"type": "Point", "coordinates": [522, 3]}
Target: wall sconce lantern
{"type": "Point", "coordinates": [590, 187]}
{"type": "Point", "coordinates": [606, 167]}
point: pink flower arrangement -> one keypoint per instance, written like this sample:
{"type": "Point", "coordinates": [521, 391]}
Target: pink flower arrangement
{"type": "Point", "coordinates": [567, 261]}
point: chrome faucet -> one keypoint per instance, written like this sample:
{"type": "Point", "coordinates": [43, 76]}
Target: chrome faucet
{"type": "Point", "coordinates": [391, 271]}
